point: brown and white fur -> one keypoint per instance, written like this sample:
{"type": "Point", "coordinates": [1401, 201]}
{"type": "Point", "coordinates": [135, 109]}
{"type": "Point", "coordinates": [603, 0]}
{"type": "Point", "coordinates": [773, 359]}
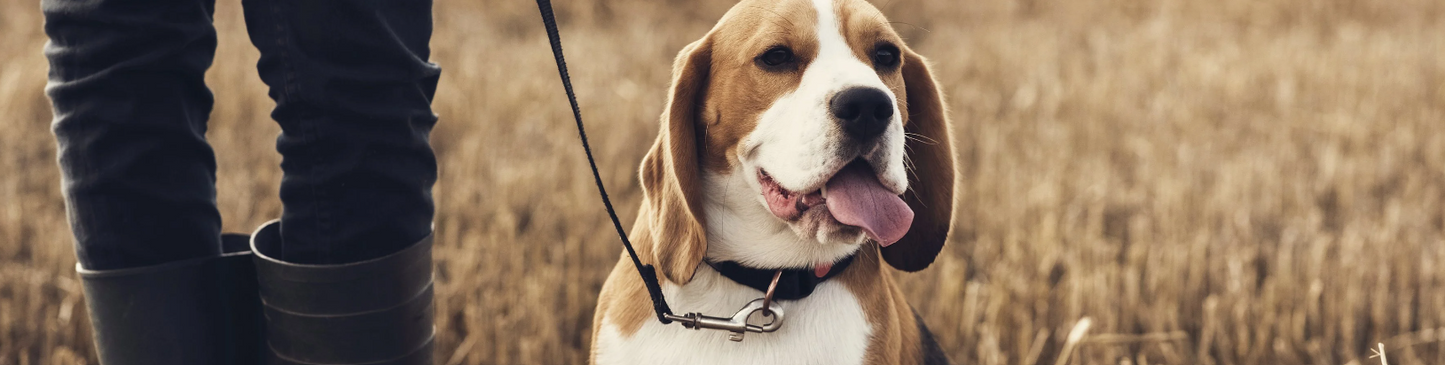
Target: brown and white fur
{"type": "Point", "coordinates": [736, 124]}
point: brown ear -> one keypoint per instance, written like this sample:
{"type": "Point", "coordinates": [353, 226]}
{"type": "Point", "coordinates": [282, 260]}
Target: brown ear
{"type": "Point", "coordinates": [670, 172]}
{"type": "Point", "coordinates": [930, 175]}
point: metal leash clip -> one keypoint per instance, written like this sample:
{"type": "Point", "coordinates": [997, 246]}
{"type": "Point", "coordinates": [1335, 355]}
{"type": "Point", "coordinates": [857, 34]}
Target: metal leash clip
{"type": "Point", "coordinates": [738, 324]}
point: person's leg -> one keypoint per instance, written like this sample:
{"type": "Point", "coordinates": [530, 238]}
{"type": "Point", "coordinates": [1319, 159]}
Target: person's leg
{"type": "Point", "coordinates": [353, 93]}
{"type": "Point", "coordinates": [345, 275]}
{"type": "Point", "coordinates": [126, 83]}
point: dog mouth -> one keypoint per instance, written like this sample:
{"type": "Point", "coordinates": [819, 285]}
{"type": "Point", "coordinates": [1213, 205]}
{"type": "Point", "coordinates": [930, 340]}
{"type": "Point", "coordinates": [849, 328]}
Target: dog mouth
{"type": "Point", "coordinates": [853, 196]}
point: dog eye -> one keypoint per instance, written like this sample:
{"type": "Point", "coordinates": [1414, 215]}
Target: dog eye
{"type": "Point", "coordinates": [776, 56]}
{"type": "Point", "coordinates": [885, 56]}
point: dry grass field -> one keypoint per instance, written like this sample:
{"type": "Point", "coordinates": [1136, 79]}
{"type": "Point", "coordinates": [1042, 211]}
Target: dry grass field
{"type": "Point", "coordinates": [1208, 182]}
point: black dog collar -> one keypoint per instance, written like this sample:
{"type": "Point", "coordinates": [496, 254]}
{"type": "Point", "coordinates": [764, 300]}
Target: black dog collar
{"type": "Point", "coordinates": [794, 284]}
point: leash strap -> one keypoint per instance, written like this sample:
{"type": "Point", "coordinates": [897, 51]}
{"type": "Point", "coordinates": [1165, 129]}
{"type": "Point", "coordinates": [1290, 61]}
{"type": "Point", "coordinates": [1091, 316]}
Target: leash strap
{"type": "Point", "coordinates": [649, 275]}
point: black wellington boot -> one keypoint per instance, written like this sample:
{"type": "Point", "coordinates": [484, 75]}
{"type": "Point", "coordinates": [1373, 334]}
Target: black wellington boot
{"type": "Point", "coordinates": [198, 311]}
{"type": "Point", "coordinates": [377, 311]}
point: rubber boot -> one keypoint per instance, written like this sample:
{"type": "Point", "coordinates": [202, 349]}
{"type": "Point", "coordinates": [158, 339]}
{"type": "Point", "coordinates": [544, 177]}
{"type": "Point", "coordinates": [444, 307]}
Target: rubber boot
{"type": "Point", "coordinates": [377, 311]}
{"type": "Point", "coordinates": [198, 311]}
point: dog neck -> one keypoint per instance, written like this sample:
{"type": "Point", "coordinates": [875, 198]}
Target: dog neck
{"type": "Point", "coordinates": [742, 230]}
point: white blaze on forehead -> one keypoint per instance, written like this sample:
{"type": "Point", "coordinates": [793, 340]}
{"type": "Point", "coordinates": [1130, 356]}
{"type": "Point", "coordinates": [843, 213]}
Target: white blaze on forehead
{"type": "Point", "coordinates": [830, 31]}
{"type": "Point", "coordinates": [835, 65]}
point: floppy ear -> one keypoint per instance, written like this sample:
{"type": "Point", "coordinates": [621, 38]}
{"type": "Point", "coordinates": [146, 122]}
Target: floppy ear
{"type": "Point", "coordinates": [669, 173]}
{"type": "Point", "coordinates": [929, 148]}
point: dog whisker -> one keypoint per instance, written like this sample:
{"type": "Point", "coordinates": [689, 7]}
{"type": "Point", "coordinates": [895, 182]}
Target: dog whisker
{"type": "Point", "coordinates": [925, 30]}
{"type": "Point", "coordinates": [775, 19]}
{"type": "Point", "coordinates": [920, 138]}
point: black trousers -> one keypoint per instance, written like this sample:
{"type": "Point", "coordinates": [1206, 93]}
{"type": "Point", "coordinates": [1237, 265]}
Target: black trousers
{"type": "Point", "coordinates": [353, 89]}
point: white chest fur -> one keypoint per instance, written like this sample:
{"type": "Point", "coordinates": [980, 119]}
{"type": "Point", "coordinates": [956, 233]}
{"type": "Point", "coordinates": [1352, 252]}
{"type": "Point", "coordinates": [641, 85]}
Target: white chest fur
{"type": "Point", "coordinates": [827, 327]}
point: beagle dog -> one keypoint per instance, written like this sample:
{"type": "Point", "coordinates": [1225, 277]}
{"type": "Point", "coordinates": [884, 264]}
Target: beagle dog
{"type": "Point", "coordinates": [801, 136]}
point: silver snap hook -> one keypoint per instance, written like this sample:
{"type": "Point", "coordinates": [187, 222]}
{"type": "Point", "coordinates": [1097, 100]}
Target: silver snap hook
{"type": "Point", "coordinates": [738, 323]}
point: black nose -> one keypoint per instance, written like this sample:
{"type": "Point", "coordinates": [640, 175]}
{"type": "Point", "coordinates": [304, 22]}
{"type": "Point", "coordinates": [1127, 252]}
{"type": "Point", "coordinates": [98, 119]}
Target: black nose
{"type": "Point", "coordinates": [864, 112]}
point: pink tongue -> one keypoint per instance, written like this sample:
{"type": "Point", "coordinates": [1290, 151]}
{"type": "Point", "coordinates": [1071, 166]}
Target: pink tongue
{"type": "Point", "coordinates": [856, 198]}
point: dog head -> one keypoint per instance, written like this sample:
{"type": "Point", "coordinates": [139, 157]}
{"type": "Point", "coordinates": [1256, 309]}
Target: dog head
{"type": "Point", "coordinates": [796, 132]}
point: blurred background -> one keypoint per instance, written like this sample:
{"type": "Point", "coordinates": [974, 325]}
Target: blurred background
{"type": "Point", "coordinates": [1208, 182]}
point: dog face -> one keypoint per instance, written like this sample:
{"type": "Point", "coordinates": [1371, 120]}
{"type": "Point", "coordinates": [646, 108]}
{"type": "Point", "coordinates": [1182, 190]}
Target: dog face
{"type": "Point", "coordinates": [796, 132]}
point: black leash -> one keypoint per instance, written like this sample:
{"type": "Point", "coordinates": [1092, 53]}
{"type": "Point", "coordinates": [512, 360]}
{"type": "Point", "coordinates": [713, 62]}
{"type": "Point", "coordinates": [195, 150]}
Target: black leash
{"type": "Point", "coordinates": [738, 323]}
{"type": "Point", "coordinates": [649, 275]}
